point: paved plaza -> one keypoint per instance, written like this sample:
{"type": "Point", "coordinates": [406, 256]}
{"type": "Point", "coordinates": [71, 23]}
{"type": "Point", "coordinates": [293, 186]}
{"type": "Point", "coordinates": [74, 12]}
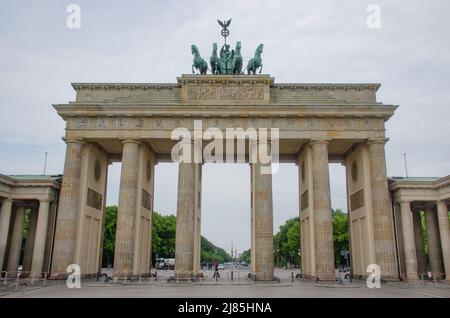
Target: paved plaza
{"type": "Point", "coordinates": [239, 287]}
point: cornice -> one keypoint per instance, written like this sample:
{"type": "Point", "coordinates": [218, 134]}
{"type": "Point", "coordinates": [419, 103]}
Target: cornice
{"type": "Point", "coordinates": [374, 87]}
{"type": "Point", "coordinates": [234, 110]}
{"type": "Point", "coordinates": [212, 79]}
{"type": "Point", "coordinates": [123, 86]}
{"type": "Point", "coordinates": [11, 182]}
{"type": "Point", "coordinates": [414, 184]}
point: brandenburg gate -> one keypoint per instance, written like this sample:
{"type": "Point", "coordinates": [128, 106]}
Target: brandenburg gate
{"type": "Point", "coordinates": [133, 123]}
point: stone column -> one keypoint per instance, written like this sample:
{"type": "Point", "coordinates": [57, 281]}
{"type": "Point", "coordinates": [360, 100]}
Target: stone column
{"type": "Point", "coordinates": [16, 240]}
{"type": "Point", "coordinates": [409, 245]}
{"type": "Point", "coordinates": [385, 255]}
{"type": "Point", "coordinates": [185, 231]}
{"type": "Point", "coordinates": [126, 216]}
{"type": "Point", "coordinates": [69, 200]}
{"type": "Point", "coordinates": [198, 217]}
{"type": "Point", "coordinates": [323, 224]}
{"type": "Point", "coordinates": [434, 245]}
{"type": "Point", "coordinates": [263, 220]}
{"type": "Point", "coordinates": [418, 239]}
{"type": "Point", "coordinates": [444, 230]}
{"type": "Point", "coordinates": [29, 243]}
{"type": "Point", "coordinates": [40, 239]}
{"type": "Point", "coordinates": [5, 218]}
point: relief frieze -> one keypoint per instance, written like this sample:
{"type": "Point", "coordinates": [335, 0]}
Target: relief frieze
{"type": "Point", "coordinates": [242, 93]}
{"type": "Point", "coordinates": [283, 123]}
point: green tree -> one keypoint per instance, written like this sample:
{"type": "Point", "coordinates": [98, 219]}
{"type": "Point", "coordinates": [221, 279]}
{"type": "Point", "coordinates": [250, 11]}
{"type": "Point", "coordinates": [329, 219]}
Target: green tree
{"type": "Point", "coordinates": [163, 239]}
{"type": "Point", "coordinates": [245, 256]}
{"type": "Point", "coordinates": [212, 253]}
{"type": "Point", "coordinates": [163, 235]}
{"type": "Point", "coordinates": [109, 236]}
{"type": "Point", "coordinates": [340, 235]}
{"type": "Point", "coordinates": [287, 243]}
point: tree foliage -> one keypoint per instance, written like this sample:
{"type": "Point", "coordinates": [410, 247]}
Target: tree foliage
{"type": "Point", "coordinates": [287, 241]}
{"type": "Point", "coordinates": [163, 236]}
{"type": "Point", "coordinates": [245, 256]}
{"type": "Point", "coordinates": [212, 253]}
{"type": "Point", "coordinates": [163, 239]}
{"type": "Point", "coordinates": [109, 236]}
{"type": "Point", "coordinates": [340, 235]}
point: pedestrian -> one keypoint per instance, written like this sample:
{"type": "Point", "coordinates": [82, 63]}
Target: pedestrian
{"type": "Point", "coordinates": [216, 271]}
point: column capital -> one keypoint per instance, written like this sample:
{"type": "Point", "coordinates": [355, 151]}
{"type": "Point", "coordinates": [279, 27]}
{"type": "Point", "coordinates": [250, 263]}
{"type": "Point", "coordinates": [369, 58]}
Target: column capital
{"type": "Point", "coordinates": [377, 141]}
{"type": "Point", "coordinates": [131, 140]}
{"type": "Point", "coordinates": [325, 141]}
{"type": "Point", "coordinates": [438, 202]}
{"type": "Point", "coordinates": [7, 200]}
{"type": "Point", "coordinates": [44, 200]}
{"type": "Point", "coordinates": [74, 140]}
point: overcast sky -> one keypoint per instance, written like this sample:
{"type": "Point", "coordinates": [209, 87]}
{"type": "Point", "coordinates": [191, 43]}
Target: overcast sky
{"type": "Point", "coordinates": [149, 41]}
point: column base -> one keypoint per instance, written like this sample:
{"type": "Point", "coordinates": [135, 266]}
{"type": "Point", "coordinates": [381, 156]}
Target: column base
{"type": "Point", "coordinates": [263, 277]}
{"type": "Point", "coordinates": [181, 280]}
{"type": "Point", "coordinates": [412, 278]}
{"type": "Point", "coordinates": [389, 279]}
{"type": "Point", "coordinates": [183, 277]}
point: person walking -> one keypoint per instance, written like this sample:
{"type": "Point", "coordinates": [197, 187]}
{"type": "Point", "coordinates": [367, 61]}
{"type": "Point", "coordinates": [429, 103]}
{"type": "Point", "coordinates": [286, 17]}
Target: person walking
{"type": "Point", "coordinates": [216, 271]}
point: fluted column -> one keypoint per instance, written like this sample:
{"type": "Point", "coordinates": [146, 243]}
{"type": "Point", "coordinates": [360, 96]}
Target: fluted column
{"type": "Point", "coordinates": [444, 230]}
{"type": "Point", "coordinates": [409, 245]}
{"type": "Point", "coordinates": [418, 239]}
{"type": "Point", "coordinates": [263, 221]}
{"type": "Point", "coordinates": [16, 240]}
{"type": "Point", "coordinates": [198, 216]}
{"type": "Point", "coordinates": [29, 243]}
{"type": "Point", "coordinates": [40, 238]}
{"type": "Point", "coordinates": [323, 224]}
{"type": "Point", "coordinates": [434, 245]}
{"type": "Point", "coordinates": [126, 216]}
{"type": "Point", "coordinates": [5, 218]}
{"type": "Point", "coordinates": [385, 254]}
{"type": "Point", "coordinates": [185, 228]}
{"type": "Point", "coordinates": [69, 200]}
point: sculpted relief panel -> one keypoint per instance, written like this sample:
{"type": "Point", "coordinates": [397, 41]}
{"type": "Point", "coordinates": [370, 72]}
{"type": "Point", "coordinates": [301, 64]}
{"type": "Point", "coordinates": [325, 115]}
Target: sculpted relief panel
{"type": "Point", "coordinates": [237, 93]}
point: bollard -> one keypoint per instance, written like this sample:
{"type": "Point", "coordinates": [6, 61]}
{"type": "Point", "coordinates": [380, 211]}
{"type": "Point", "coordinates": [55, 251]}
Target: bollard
{"type": "Point", "coordinates": [6, 279]}
{"type": "Point", "coordinates": [292, 276]}
{"type": "Point", "coordinates": [231, 275]}
{"type": "Point", "coordinates": [17, 281]}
